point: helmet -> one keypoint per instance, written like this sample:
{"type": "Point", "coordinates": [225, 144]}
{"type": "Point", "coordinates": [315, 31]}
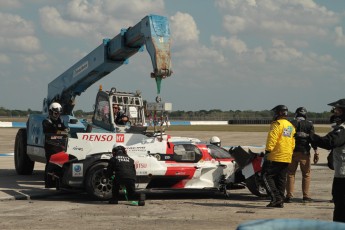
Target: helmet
{"type": "Point", "coordinates": [279, 111]}
{"type": "Point", "coordinates": [301, 112]}
{"type": "Point", "coordinates": [340, 104]}
{"type": "Point", "coordinates": [334, 119]}
{"type": "Point", "coordinates": [215, 141]}
{"type": "Point", "coordinates": [55, 109]}
{"type": "Point", "coordinates": [119, 149]}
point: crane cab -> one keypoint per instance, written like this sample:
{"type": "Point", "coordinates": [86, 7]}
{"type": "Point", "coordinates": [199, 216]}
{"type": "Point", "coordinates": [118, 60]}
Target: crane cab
{"type": "Point", "coordinates": [130, 103]}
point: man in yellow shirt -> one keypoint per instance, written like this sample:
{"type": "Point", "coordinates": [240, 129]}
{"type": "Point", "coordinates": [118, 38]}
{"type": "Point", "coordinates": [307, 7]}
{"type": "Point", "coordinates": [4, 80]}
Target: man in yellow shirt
{"type": "Point", "coordinates": [278, 154]}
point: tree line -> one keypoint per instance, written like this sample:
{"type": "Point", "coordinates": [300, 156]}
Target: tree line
{"type": "Point", "coordinates": [201, 115]}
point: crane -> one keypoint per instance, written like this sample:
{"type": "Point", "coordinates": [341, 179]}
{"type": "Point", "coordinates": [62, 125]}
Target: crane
{"type": "Point", "coordinates": [152, 31]}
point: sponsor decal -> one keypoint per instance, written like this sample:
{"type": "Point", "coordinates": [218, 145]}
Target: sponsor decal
{"type": "Point", "coordinates": [167, 157]}
{"type": "Point", "coordinates": [287, 132]}
{"type": "Point", "coordinates": [80, 69]}
{"type": "Point", "coordinates": [163, 157]}
{"type": "Point", "coordinates": [98, 137]}
{"type": "Point", "coordinates": [76, 148]}
{"type": "Point", "coordinates": [139, 165]}
{"type": "Point", "coordinates": [120, 137]}
{"type": "Point", "coordinates": [136, 148]}
{"type": "Point", "coordinates": [77, 170]}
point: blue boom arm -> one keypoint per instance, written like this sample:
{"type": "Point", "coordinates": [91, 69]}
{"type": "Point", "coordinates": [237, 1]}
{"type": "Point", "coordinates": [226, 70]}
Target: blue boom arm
{"type": "Point", "coordinates": [152, 31]}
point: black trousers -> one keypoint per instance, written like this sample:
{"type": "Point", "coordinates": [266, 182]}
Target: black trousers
{"type": "Point", "coordinates": [130, 189]}
{"type": "Point", "coordinates": [48, 168]}
{"type": "Point", "coordinates": [338, 192]}
{"type": "Point", "coordinates": [274, 177]}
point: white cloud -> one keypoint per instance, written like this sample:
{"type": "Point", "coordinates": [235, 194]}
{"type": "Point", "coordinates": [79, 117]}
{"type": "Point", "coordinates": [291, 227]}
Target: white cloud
{"type": "Point", "coordinates": [25, 44]}
{"type": "Point", "coordinates": [260, 55]}
{"type": "Point", "coordinates": [286, 27]}
{"type": "Point", "coordinates": [195, 58]}
{"type": "Point", "coordinates": [53, 23]}
{"type": "Point", "coordinates": [17, 34]}
{"type": "Point", "coordinates": [234, 43]}
{"type": "Point", "coordinates": [9, 4]}
{"type": "Point", "coordinates": [234, 24]}
{"type": "Point", "coordinates": [4, 59]}
{"type": "Point", "coordinates": [183, 29]}
{"type": "Point", "coordinates": [340, 38]}
{"type": "Point", "coordinates": [95, 19]}
{"type": "Point", "coordinates": [13, 25]}
{"type": "Point", "coordinates": [280, 52]}
{"type": "Point", "coordinates": [282, 17]}
{"type": "Point", "coordinates": [35, 63]}
{"type": "Point", "coordinates": [130, 9]}
{"type": "Point", "coordinates": [82, 10]}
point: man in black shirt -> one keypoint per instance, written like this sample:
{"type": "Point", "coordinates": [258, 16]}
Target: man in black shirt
{"type": "Point", "coordinates": [125, 175]}
{"type": "Point", "coordinates": [301, 155]}
{"type": "Point", "coordinates": [55, 131]}
{"type": "Point", "coordinates": [335, 141]}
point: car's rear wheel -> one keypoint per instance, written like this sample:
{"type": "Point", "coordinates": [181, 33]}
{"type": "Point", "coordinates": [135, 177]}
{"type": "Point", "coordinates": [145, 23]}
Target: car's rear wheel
{"type": "Point", "coordinates": [255, 185]}
{"type": "Point", "coordinates": [97, 184]}
{"type": "Point", "coordinates": [23, 164]}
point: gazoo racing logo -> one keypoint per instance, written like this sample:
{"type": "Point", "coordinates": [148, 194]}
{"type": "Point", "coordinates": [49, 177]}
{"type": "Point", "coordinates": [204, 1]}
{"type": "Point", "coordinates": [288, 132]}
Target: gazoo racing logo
{"type": "Point", "coordinates": [104, 137]}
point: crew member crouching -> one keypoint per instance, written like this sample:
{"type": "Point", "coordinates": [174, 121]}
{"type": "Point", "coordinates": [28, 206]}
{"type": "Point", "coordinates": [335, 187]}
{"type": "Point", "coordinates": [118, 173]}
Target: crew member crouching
{"type": "Point", "coordinates": [125, 175]}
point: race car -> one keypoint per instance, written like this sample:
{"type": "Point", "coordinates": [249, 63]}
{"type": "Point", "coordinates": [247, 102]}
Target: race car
{"type": "Point", "coordinates": [161, 161]}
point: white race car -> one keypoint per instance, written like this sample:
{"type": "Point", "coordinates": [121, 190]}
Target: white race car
{"type": "Point", "coordinates": [161, 161]}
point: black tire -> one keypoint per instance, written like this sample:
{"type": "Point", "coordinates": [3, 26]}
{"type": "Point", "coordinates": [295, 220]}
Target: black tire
{"type": "Point", "coordinates": [23, 164]}
{"type": "Point", "coordinates": [255, 186]}
{"type": "Point", "coordinates": [97, 185]}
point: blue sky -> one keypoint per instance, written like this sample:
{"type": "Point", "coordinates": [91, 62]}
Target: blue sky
{"type": "Point", "coordinates": [226, 54]}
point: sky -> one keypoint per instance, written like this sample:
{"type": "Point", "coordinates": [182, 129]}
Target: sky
{"type": "Point", "coordinates": [226, 54]}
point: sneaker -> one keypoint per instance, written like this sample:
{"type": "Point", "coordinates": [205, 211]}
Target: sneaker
{"type": "Point", "coordinates": [307, 200]}
{"type": "Point", "coordinates": [113, 201]}
{"type": "Point", "coordinates": [277, 204]}
{"type": "Point", "coordinates": [142, 198]}
{"type": "Point", "coordinates": [288, 200]}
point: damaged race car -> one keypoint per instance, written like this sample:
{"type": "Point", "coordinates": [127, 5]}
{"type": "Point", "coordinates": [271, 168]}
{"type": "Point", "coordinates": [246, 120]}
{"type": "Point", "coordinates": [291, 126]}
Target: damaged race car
{"type": "Point", "coordinates": [161, 161]}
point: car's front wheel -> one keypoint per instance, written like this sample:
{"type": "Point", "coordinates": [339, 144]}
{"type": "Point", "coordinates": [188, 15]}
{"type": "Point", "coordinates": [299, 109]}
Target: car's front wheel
{"type": "Point", "coordinates": [97, 184]}
{"type": "Point", "coordinates": [255, 185]}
